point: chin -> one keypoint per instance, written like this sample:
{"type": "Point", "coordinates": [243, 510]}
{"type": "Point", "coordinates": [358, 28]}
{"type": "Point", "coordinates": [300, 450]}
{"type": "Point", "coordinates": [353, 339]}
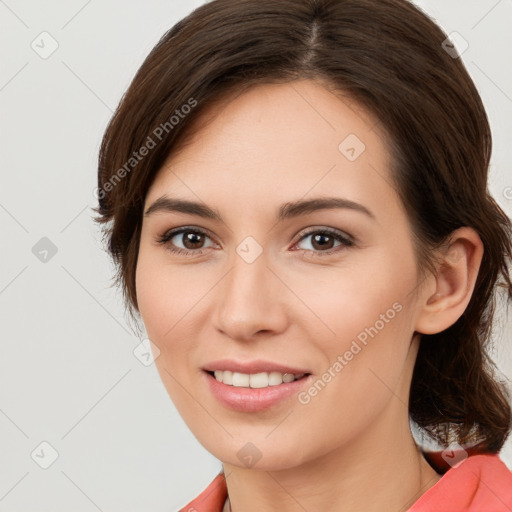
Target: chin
{"type": "Point", "coordinates": [257, 452]}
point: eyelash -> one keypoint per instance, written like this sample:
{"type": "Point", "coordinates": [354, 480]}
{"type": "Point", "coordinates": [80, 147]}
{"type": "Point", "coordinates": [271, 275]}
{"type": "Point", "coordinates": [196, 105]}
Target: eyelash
{"type": "Point", "coordinates": [345, 240]}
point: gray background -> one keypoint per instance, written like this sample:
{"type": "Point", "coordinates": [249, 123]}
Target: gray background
{"type": "Point", "coordinates": [68, 373]}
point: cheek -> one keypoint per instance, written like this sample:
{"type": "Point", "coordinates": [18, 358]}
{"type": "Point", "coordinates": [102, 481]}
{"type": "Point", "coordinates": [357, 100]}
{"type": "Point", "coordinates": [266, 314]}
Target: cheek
{"type": "Point", "coordinates": [164, 313]}
{"type": "Point", "coordinates": [172, 302]}
{"type": "Point", "coordinates": [150, 299]}
{"type": "Point", "coordinates": [368, 311]}
{"type": "Point", "coordinates": [156, 297]}
{"type": "Point", "coordinates": [365, 365]}
{"type": "Point", "coordinates": [367, 328]}
{"type": "Point", "coordinates": [165, 295]}
{"type": "Point", "coordinates": [356, 302]}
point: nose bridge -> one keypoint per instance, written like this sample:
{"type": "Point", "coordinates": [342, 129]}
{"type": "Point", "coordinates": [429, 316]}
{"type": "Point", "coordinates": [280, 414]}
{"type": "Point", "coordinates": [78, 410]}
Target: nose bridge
{"type": "Point", "coordinates": [247, 300]}
{"type": "Point", "coordinates": [247, 284]}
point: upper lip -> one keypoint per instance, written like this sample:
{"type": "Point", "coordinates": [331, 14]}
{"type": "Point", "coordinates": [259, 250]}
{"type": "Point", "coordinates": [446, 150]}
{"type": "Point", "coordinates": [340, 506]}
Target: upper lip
{"type": "Point", "coordinates": [255, 366]}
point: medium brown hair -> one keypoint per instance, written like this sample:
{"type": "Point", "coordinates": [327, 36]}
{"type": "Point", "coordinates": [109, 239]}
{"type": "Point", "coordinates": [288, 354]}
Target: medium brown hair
{"type": "Point", "coordinates": [387, 55]}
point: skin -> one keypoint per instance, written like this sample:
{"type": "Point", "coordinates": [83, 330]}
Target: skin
{"type": "Point", "coordinates": [271, 145]}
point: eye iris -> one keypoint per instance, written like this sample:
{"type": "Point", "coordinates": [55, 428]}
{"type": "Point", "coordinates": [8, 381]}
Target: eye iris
{"type": "Point", "coordinates": [192, 238]}
{"type": "Point", "coordinates": [320, 240]}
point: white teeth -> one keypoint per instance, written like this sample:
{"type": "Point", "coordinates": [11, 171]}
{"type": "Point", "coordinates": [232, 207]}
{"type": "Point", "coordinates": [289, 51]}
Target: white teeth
{"type": "Point", "coordinates": [258, 380]}
{"type": "Point", "coordinates": [275, 378]}
{"type": "Point", "coordinates": [255, 380]}
{"type": "Point", "coordinates": [241, 380]}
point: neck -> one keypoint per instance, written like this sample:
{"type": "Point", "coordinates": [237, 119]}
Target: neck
{"type": "Point", "coordinates": [390, 477]}
{"type": "Point", "coordinates": [380, 469]}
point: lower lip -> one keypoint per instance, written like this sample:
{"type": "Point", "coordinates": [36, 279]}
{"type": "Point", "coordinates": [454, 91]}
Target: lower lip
{"type": "Point", "coordinates": [253, 399]}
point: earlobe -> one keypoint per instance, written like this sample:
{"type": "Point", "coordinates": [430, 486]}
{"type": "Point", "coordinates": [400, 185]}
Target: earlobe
{"type": "Point", "coordinates": [455, 280]}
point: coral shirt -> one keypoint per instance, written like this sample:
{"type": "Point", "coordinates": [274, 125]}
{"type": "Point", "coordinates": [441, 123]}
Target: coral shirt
{"type": "Point", "coordinates": [481, 483]}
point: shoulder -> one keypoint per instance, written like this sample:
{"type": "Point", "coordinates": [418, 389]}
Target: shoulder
{"type": "Point", "coordinates": [478, 483]}
{"type": "Point", "coordinates": [211, 499]}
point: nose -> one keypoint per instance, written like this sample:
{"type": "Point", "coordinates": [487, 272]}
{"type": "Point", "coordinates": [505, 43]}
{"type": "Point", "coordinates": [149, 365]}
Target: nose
{"type": "Point", "coordinates": [250, 300]}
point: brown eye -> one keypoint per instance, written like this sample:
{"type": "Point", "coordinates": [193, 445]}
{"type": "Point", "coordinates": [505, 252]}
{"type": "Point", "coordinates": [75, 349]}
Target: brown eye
{"type": "Point", "coordinates": [186, 241]}
{"type": "Point", "coordinates": [324, 241]}
{"type": "Point", "coordinates": [321, 241]}
{"type": "Point", "coordinates": [192, 240]}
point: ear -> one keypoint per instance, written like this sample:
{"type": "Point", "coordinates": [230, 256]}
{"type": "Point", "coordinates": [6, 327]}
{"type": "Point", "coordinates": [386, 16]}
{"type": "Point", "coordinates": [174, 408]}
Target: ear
{"type": "Point", "coordinates": [447, 294]}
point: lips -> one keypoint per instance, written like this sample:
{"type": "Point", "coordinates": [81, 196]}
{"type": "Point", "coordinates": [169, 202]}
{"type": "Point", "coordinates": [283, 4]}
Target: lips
{"type": "Point", "coordinates": [239, 394]}
{"type": "Point", "coordinates": [252, 400]}
{"type": "Point", "coordinates": [252, 367]}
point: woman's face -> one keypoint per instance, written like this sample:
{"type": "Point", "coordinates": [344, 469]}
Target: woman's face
{"type": "Point", "coordinates": [330, 292]}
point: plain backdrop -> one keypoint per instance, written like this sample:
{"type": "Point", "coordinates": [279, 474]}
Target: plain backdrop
{"type": "Point", "coordinates": [74, 397]}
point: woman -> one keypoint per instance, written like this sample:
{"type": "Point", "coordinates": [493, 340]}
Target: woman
{"type": "Point", "coordinates": [296, 198]}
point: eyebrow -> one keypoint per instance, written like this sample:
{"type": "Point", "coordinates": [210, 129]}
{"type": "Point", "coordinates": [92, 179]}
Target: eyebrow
{"type": "Point", "coordinates": [286, 211]}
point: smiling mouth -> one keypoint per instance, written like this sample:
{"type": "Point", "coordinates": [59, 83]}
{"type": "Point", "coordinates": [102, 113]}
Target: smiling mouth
{"type": "Point", "coordinates": [255, 380]}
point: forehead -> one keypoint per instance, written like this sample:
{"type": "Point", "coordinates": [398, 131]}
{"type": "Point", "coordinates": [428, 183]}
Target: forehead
{"type": "Point", "coordinates": [279, 142]}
